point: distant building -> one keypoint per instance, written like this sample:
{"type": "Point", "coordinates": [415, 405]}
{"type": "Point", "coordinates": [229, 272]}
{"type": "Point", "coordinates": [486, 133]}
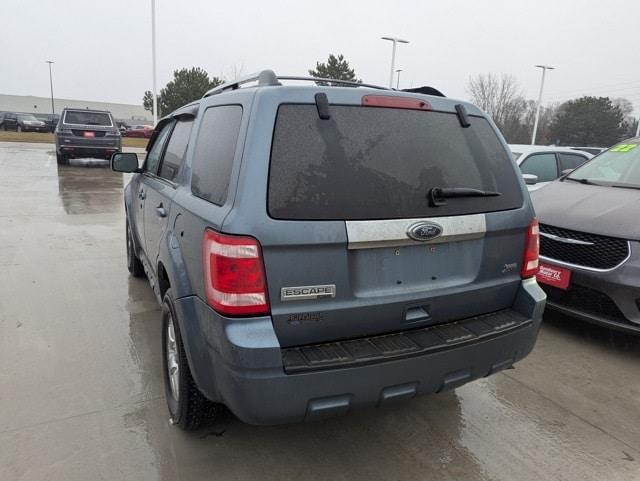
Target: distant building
{"type": "Point", "coordinates": [127, 113]}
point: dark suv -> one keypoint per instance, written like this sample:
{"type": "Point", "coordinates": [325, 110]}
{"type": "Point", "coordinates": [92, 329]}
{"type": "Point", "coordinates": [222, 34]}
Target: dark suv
{"type": "Point", "coordinates": [316, 249]}
{"type": "Point", "coordinates": [82, 133]}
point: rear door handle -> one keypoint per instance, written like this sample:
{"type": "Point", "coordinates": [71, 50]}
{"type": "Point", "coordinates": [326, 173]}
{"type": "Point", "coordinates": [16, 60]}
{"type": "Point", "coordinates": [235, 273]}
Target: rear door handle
{"type": "Point", "coordinates": [160, 211]}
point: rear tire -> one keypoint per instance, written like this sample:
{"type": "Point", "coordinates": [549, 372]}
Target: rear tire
{"type": "Point", "coordinates": [61, 159]}
{"type": "Point", "coordinates": [133, 262]}
{"type": "Point", "coordinates": [188, 407]}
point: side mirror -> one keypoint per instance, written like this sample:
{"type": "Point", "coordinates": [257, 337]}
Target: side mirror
{"type": "Point", "coordinates": [124, 162]}
{"type": "Point", "coordinates": [530, 179]}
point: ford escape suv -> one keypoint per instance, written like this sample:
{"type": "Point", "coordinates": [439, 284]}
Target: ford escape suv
{"type": "Point", "coordinates": [316, 249]}
{"type": "Point", "coordinates": [82, 132]}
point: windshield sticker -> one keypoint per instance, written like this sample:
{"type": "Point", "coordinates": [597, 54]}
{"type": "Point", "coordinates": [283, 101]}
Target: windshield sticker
{"type": "Point", "coordinates": [623, 148]}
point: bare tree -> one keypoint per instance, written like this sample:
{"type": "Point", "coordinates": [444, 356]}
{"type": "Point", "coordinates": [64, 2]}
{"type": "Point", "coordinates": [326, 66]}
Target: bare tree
{"type": "Point", "coordinates": [499, 96]}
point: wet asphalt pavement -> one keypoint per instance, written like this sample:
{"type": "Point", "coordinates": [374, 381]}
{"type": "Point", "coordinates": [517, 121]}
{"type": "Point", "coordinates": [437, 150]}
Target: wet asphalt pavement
{"type": "Point", "coordinates": [81, 394]}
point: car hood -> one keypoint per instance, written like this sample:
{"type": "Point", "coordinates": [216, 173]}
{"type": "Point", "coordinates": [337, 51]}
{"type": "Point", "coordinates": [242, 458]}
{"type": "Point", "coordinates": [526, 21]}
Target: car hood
{"type": "Point", "coordinates": [600, 210]}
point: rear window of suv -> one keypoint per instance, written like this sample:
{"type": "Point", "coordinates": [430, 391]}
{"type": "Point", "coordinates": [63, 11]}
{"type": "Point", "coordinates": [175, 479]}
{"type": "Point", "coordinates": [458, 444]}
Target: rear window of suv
{"type": "Point", "coordinates": [380, 163]}
{"type": "Point", "coordinates": [87, 118]}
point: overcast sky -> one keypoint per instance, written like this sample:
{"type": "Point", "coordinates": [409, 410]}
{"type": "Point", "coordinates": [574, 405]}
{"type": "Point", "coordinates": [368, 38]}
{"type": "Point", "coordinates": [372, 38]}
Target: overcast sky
{"type": "Point", "coordinates": [102, 49]}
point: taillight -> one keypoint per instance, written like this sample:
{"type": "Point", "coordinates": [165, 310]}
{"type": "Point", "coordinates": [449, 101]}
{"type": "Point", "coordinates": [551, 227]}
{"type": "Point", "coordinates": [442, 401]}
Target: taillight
{"type": "Point", "coordinates": [234, 275]}
{"type": "Point", "coordinates": [531, 251]}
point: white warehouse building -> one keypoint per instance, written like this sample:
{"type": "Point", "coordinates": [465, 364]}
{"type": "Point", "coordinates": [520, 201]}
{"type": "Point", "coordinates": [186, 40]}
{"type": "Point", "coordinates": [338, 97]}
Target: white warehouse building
{"type": "Point", "coordinates": [130, 114]}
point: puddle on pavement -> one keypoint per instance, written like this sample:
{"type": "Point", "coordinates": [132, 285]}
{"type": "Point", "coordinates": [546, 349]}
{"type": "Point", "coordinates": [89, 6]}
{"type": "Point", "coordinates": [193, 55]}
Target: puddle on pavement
{"type": "Point", "coordinates": [88, 186]}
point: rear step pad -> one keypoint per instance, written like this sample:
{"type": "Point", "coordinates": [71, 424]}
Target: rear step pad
{"type": "Point", "coordinates": [368, 350]}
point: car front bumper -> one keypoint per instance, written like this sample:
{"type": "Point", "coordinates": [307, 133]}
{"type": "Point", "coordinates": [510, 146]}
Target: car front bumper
{"type": "Point", "coordinates": [240, 362]}
{"type": "Point", "coordinates": [610, 298]}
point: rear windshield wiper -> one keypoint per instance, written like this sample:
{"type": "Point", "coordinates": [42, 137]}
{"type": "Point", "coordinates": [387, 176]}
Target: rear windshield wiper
{"type": "Point", "coordinates": [437, 195]}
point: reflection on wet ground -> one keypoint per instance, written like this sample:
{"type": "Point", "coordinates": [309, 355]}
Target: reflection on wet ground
{"type": "Point", "coordinates": [87, 187]}
{"type": "Point", "coordinates": [82, 397]}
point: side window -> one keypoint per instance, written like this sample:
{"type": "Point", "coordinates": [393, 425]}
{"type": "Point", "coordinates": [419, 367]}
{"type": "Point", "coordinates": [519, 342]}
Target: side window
{"type": "Point", "coordinates": [571, 161]}
{"type": "Point", "coordinates": [176, 149]}
{"type": "Point", "coordinates": [214, 152]}
{"type": "Point", "coordinates": [542, 165]}
{"type": "Point", "coordinates": [153, 156]}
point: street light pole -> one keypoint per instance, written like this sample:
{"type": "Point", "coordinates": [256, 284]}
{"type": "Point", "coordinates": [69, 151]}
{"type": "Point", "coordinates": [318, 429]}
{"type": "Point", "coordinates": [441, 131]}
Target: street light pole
{"type": "Point", "coordinates": [535, 124]}
{"type": "Point", "coordinates": [153, 61]}
{"type": "Point", "coordinates": [395, 41]}
{"type": "Point", "coordinates": [398, 80]}
{"type": "Point", "coordinates": [53, 109]}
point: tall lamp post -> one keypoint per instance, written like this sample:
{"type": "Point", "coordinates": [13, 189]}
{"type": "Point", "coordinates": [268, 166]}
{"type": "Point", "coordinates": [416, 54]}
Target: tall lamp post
{"type": "Point", "coordinates": [395, 41]}
{"type": "Point", "coordinates": [53, 109]}
{"type": "Point", "coordinates": [398, 79]}
{"type": "Point", "coordinates": [535, 124]}
{"type": "Point", "coordinates": [153, 61]}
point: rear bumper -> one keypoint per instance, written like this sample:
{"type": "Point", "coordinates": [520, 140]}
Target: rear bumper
{"type": "Point", "coordinates": [240, 362]}
{"type": "Point", "coordinates": [102, 150]}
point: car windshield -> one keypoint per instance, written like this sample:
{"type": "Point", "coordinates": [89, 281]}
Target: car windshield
{"type": "Point", "coordinates": [619, 165]}
{"type": "Point", "coordinates": [80, 117]}
{"type": "Point", "coordinates": [27, 117]}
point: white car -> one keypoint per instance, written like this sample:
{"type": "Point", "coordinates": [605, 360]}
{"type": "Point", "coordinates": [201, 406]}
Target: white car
{"type": "Point", "coordinates": [540, 165]}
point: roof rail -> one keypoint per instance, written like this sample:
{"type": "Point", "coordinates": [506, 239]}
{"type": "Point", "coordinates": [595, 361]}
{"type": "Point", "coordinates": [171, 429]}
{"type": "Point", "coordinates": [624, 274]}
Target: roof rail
{"type": "Point", "coordinates": [269, 78]}
{"type": "Point", "coordinates": [264, 78]}
{"type": "Point", "coordinates": [334, 81]}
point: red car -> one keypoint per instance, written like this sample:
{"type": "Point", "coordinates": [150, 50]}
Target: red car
{"type": "Point", "coordinates": [143, 131]}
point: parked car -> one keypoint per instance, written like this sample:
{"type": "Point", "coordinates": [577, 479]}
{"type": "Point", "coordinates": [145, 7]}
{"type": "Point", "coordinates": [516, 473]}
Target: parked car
{"type": "Point", "coordinates": [143, 131]}
{"type": "Point", "coordinates": [122, 127]}
{"type": "Point", "coordinates": [83, 132]}
{"type": "Point", "coordinates": [50, 121]}
{"type": "Point", "coordinates": [591, 150]}
{"type": "Point", "coordinates": [21, 122]}
{"type": "Point", "coordinates": [316, 249]}
{"type": "Point", "coordinates": [590, 240]}
{"type": "Point", "coordinates": [541, 165]}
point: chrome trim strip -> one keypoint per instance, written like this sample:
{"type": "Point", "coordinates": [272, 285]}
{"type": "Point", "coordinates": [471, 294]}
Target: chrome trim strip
{"type": "Point", "coordinates": [566, 240]}
{"type": "Point", "coordinates": [370, 234]}
{"type": "Point", "coordinates": [592, 269]}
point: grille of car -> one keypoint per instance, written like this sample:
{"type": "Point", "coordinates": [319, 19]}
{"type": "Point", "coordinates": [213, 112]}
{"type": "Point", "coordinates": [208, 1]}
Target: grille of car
{"type": "Point", "coordinates": [80, 133]}
{"type": "Point", "coordinates": [603, 252]}
{"type": "Point", "coordinates": [587, 300]}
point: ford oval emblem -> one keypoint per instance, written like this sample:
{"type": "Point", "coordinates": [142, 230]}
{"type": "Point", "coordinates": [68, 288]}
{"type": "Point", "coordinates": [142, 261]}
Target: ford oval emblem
{"type": "Point", "coordinates": [424, 231]}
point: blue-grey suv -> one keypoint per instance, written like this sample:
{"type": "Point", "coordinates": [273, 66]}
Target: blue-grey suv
{"type": "Point", "coordinates": [316, 249]}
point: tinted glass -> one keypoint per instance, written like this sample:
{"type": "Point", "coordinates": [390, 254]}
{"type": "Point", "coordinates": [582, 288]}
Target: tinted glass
{"type": "Point", "coordinates": [542, 165]}
{"type": "Point", "coordinates": [620, 165]}
{"type": "Point", "coordinates": [380, 163]}
{"type": "Point", "coordinates": [153, 156]}
{"type": "Point", "coordinates": [176, 148]}
{"type": "Point", "coordinates": [570, 161]}
{"type": "Point", "coordinates": [87, 118]}
{"type": "Point", "coordinates": [214, 152]}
